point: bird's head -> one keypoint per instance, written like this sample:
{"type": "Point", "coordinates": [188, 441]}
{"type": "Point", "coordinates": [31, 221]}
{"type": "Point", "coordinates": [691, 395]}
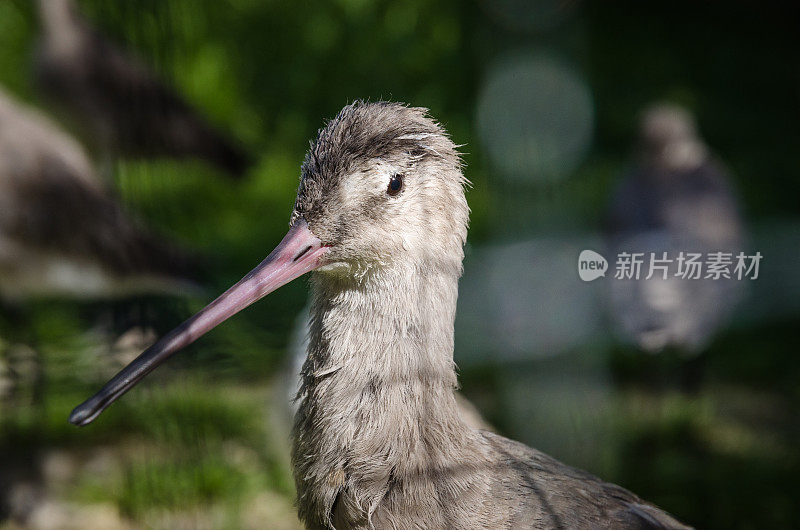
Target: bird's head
{"type": "Point", "coordinates": [668, 138]}
{"type": "Point", "coordinates": [381, 187]}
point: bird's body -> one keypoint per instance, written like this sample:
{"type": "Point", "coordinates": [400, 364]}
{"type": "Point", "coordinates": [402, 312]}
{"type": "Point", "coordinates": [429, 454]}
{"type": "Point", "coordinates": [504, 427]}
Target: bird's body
{"type": "Point", "coordinates": [60, 230]}
{"type": "Point", "coordinates": [123, 108]}
{"type": "Point", "coordinates": [379, 441]}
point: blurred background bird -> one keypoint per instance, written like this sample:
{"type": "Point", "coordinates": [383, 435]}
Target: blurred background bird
{"type": "Point", "coordinates": [63, 234]}
{"type": "Point", "coordinates": [677, 198]}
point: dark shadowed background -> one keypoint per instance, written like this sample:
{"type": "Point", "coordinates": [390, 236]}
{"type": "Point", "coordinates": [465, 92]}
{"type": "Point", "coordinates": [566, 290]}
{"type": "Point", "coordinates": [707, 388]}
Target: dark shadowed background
{"type": "Point", "coordinates": [545, 97]}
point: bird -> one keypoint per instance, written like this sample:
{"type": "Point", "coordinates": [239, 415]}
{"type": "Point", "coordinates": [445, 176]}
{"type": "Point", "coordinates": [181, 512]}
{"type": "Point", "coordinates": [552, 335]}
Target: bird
{"type": "Point", "coordinates": [61, 231]}
{"type": "Point", "coordinates": [677, 198]}
{"type": "Point", "coordinates": [62, 234]}
{"type": "Point", "coordinates": [122, 107]}
{"type": "Point", "coordinates": [381, 218]}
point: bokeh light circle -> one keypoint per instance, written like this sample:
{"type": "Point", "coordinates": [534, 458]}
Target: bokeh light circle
{"type": "Point", "coordinates": [535, 117]}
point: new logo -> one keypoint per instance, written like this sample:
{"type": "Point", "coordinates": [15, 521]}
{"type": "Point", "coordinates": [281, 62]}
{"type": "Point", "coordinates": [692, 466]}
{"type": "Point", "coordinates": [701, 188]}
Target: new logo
{"type": "Point", "coordinates": [591, 265]}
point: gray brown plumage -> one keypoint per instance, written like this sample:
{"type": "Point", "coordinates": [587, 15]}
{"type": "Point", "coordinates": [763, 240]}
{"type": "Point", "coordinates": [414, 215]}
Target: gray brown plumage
{"type": "Point", "coordinates": [60, 229]}
{"type": "Point", "coordinates": [124, 109]}
{"type": "Point", "coordinates": [379, 441]}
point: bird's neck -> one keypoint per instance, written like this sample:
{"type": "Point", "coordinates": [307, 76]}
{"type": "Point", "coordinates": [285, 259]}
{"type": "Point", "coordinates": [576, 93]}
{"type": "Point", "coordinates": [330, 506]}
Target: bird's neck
{"type": "Point", "coordinates": [393, 325]}
{"type": "Point", "coordinates": [377, 393]}
{"type": "Point", "coordinates": [61, 26]}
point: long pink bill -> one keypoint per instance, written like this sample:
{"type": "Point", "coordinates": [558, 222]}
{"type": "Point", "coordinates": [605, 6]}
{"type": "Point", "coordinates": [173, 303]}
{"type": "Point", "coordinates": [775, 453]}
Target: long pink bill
{"type": "Point", "coordinates": [298, 253]}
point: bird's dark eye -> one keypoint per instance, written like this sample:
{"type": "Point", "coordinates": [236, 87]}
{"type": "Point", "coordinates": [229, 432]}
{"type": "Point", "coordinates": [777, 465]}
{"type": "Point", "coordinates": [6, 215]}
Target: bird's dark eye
{"type": "Point", "coordinates": [395, 184]}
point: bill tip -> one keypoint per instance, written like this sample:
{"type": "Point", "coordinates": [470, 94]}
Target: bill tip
{"type": "Point", "coordinates": [81, 416]}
